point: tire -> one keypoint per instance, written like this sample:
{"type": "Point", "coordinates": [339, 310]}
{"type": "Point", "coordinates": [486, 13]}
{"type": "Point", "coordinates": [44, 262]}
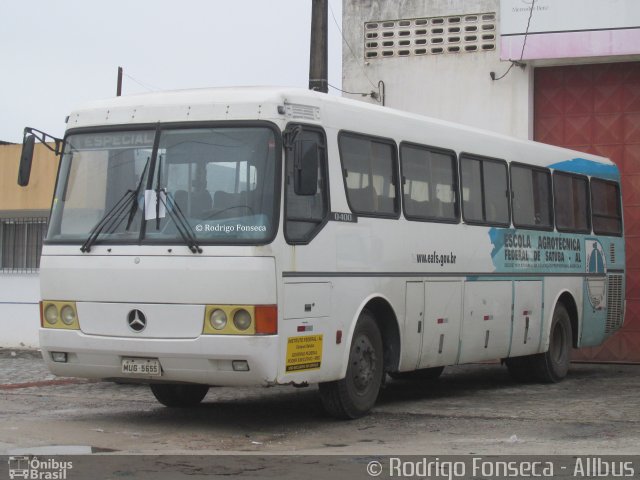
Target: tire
{"type": "Point", "coordinates": [353, 396]}
{"type": "Point", "coordinates": [422, 374]}
{"type": "Point", "coordinates": [179, 395]}
{"type": "Point", "coordinates": [552, 366]}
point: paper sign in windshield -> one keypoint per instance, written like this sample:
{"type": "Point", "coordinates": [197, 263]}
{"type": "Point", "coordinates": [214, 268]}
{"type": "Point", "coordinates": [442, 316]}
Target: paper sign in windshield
{"type": "Point", "coordinates": [151, 208]}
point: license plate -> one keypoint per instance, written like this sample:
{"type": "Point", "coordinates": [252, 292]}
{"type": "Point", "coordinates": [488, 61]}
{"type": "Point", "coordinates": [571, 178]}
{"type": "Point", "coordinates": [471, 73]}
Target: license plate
{"type": "Point", "coordinates": [141, 366]}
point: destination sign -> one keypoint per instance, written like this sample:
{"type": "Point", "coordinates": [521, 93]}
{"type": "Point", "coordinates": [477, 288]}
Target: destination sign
{"type": "Point", "coordinates": [115, 140]}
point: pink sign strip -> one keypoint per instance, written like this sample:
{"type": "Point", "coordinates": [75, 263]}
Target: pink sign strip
{"type": "Point", "coordinates": [571, 44]}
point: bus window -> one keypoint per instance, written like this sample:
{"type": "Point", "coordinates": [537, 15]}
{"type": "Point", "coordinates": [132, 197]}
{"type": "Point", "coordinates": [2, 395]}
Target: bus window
{"type": "Point", "coordinates": [531, 197]}
{"type": "Point", "coordinates": [605, 205]}
{"type": "Point", "coordinates": [484, 191]}
{"type": "Point", "coordinates": [571, 202]}
{"type": "Point", "coordinates": [369, 167]}
{"type": "Point", "coordinates": [428, 183]}
{"type": "Point", "coordinates": [305, 214]}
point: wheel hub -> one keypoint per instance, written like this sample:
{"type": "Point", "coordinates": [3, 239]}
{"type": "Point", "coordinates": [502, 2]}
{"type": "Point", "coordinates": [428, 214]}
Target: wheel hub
{"type": "Point", "coordinates": [364, 363]}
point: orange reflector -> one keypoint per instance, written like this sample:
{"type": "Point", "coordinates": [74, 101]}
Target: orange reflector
{"type": "Point", "coordinates": [266, 319]}
{"type": "Point", "coordinates": [42, 314]}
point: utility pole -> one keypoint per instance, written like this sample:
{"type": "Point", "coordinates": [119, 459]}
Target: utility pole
{"type": "Point", "coordinates": [119, 86]}
{"type": "Point", "coordinates": [318, 77]}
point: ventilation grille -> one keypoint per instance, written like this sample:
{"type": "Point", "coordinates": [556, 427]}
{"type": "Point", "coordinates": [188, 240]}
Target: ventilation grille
{"type": "Point", "coordinates": [612, 253]}
{"type": "Point", "coordinates": [430, 36]}
{"type": "Point", "coordinates": [302, 112]}
{"type": "Point", "coordinates": [615, 308]}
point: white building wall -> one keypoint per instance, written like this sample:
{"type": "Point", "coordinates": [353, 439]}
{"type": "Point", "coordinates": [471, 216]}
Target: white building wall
{"type": "Point", "coordinates": [455, 87]}
{"type": "Point", "coordinates": [19, 310]}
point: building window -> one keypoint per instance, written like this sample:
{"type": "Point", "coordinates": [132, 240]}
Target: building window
{"type": "Point", "coordinates": [21, 244]}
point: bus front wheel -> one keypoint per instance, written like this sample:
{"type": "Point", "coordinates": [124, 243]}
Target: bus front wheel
{"type": "Point", "coordinates": [354, 395]}
{"type": "Point", "coordinates": [179, 395]}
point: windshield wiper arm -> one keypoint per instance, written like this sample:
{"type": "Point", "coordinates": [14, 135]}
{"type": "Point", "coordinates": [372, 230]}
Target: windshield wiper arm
{"type": "Point", "coordinates": [109, 219]}
{"type": "Point", "coordinates": [132, 212]}
{"type": "Point", "coordinates": [181, 222]}
{"type": "Point", "coordinates": [113, 217]}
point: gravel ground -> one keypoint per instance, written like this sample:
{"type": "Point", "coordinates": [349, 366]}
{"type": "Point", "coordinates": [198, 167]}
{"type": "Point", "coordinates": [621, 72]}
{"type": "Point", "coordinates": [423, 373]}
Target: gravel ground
{"type": "Point", "coordinates": [471, 409]}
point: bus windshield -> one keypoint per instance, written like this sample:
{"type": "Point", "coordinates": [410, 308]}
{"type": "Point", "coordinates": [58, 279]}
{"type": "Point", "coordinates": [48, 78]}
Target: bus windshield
{"type": "Point", "coordinates": [145, 186]}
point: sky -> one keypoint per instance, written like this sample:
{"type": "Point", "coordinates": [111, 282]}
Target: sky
{"type": "Point", "coordinates": [56, 55]}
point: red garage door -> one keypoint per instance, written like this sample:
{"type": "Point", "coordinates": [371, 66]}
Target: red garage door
{"type": "Point", "coordinates": [596, 109]}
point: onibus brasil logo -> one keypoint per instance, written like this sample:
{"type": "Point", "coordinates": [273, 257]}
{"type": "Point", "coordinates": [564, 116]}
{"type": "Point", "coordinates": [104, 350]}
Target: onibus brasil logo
{"type": "Point", "coordinates": [34, 469]}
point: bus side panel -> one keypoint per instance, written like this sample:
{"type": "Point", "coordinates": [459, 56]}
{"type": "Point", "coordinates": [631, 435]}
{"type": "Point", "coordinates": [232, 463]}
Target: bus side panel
{"type": "Point", "coordinates": [527, 318]}
{"type": "Point", "coordinates": [441, 337]}
{"type": "Point", "coordinates": [414, 325]}
{"type": "Point", "coordinates": [316, 349]}
{"type": "Point", "coordinates": [432, 325]}
{"type": "Point", "coordinates": [486, 327]}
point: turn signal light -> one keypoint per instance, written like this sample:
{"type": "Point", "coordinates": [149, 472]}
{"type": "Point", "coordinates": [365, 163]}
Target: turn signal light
{"type": "Point", "coordinates": [266, 319]}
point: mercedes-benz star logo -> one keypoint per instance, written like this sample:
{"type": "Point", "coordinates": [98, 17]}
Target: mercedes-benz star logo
{"type": "Point", "coordinates": [136, 321]}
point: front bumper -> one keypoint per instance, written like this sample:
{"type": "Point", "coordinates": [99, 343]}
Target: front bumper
{"type": "Point", "coordinates": [206, 359]}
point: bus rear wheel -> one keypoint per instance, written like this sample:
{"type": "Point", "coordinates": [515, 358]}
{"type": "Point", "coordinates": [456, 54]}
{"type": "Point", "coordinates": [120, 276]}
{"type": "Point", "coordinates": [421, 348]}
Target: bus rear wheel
{"type": "Point", "coordinates": [553, 365]}
{"type": "Point", "coordinates": [355, 394]}
{"type": "Point", "coordinates": [179, 395]}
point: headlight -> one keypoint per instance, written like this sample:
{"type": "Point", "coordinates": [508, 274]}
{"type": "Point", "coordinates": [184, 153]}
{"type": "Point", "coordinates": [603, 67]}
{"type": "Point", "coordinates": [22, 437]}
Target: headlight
{"type": "Point", "coordinates": [218, 319]}
{"type": "Point", "coordinates": [51, 314]}
{"type": "Point", "coordinates": [242, 319]}
{"type": "Point", "coordinates": [67, 314]}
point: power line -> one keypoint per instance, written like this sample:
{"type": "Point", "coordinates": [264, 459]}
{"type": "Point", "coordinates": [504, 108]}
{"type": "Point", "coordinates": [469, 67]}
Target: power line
{"type": "Point", "coordinates": [524, 44]}
{"type": "Point", "coordinates": [350, 49]}
{"type": "Point", "coordinates": [364, 94]}
{"type": "Point", "coordinates": [147, 86]}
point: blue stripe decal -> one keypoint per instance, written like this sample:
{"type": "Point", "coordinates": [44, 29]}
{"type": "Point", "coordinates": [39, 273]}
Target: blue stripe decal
{"type": "Point", "coordinates": [588, 167]}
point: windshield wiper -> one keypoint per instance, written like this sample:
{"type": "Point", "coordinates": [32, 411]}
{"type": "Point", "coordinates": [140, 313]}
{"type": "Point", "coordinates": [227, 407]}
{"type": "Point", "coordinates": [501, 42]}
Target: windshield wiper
{"type": "Point", "coordinates": [132, 212]}
{"type": "Point", "coordinates": [113, 218]}
{"type": "Point", "coordinates": [180, 221]}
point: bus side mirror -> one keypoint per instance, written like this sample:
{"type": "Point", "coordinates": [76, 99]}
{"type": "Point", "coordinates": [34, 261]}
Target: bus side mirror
{"type": "Point", "coordinates": [305, 180]}
{"type": "Point", "coordinates": [26, 158]}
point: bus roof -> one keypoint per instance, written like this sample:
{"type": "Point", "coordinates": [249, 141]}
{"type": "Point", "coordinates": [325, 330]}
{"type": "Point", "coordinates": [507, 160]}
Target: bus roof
{"type": "Point", "coordinates": [278, 104]}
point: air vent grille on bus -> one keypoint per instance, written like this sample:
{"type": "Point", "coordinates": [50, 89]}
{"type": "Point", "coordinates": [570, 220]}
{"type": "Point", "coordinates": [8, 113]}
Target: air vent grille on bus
{"type": "Point", "coordinates": [302, 112]}
{"type": "Point", "coordinates": [615, 308]}
{"type": "Point", "coordinates": [612, 252]}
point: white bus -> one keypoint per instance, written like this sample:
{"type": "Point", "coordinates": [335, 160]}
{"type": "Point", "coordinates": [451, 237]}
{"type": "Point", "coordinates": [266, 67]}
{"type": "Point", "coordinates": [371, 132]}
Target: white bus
{"type": "Point", "coordinates": [263, 236]}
